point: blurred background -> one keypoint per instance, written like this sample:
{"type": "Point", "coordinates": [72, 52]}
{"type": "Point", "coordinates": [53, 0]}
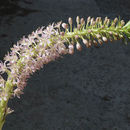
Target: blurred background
{"type": "Point", "coordinates": [87, 91]}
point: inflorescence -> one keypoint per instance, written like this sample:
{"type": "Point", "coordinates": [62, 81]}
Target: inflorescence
{"type": "Point", "coordinates": [45, 45]}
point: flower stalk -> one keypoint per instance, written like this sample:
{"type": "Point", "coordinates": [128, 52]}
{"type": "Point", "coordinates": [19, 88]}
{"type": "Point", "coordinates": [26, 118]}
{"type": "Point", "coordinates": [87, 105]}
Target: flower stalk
{"type": "Point", "coordinates": [45, 45]}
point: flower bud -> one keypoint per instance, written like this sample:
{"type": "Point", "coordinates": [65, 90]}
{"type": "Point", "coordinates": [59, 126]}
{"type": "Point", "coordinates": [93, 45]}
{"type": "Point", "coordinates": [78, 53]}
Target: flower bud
{"type": "Point", "coordinates": [90, 43]}
{"type": "Point", "coordinates": [71, 52]}
{"type": "Point", "coordinates": [115, 20]}
{"type": "Point", "coordinates": [64, 25]}
{"type": "Point", "coordinates": [77, 19]}
{"type": "Point", "coordinates": [71, 46]}
{"type": "Point", "coordinates": [85, 41]}
{"type": "Point", "coordinates": [92, 20]}
{"type": "Point", "coordinates": [82, 21]}
{"type": "Point", "coordinates": [95, 42]}
{"type": "Point", "coordinates": [110, 32]}
{"type": "Point", "coordinates": [122, 23]}
{"type": "Point", "coordinates": [78, 46]}
{"type": "Point", "coordinates": [106, 18]}
{"type": "Point", "coordinates": [104, 39]}
{"type": "Point", "coordinates": [100, 41]}
{"type": "Point", "coordinates": [116, 34]}
{"type": "Point", "coordinates": [88, 19]}
{"type": "Point", "coordinates": [98, 36]}
{"type": "Point", "coordinates": [108, 22]}
{"type": "Point", "coordinates": [71, 49]}
{"type": "Point", "coordinates": [87, 44]}
{"type": "Point", "coordinates": [97, 19]}
{"type": "Point", "coordinates": [105, 21]}
{"type": "Point", "coordinates": [70, 20]}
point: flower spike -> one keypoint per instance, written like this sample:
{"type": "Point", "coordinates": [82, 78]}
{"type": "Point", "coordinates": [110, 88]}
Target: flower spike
{"type": "Point", "coordinates": [47, 44]}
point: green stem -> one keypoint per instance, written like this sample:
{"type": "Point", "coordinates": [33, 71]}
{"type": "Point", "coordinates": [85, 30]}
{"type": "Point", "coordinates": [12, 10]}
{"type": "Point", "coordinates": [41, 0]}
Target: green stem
{"type": "Point", "coordinates": [3, 104]}
{"type": "Point", "coordinates": [1, 124]}
{"type": "Point", "coordinates": [95, 31]}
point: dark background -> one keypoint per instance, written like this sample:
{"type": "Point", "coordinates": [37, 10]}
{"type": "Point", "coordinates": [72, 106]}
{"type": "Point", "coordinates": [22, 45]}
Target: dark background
{"type": "Point", "coordinates": [87, 91]}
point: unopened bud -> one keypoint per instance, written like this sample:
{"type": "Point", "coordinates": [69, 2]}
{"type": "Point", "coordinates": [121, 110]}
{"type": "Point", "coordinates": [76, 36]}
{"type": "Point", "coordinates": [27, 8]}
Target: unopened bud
{"type": "Point", "coordinates": [106, 18]}
{"type": "Point", "coordinates": [71, 49]}
{"type": "Point", "coordinates": [88, 19]}
{"type": "Point", "coordinates": [105, 21]}
{"type": "Point", "coordinates": [104, 39]}
{"type": "Point", "coordinates": [77, 19]}
{"type": "Point", "coordinates": [87, 44]}
{"type": "Point", "coordinates": [100, 41]}
{"type": "Point", "coordinates": [70, 20]}
{"type": "Point", "coordinates": [82, 21]}
{"type": "Point", "coordinates": [78, 46]}
{"type": "Point", "coordinates": [98, 36]}
{"type": "Point", "coordinates": [64, 25]}
{"type": "Point", "coordinates": [110, 33]}
{"type": "Point", "coordinates": [116, 34]}
{"type": "Point", "coordinates": [90, 43]}
{"type": "Point", "coordinates": [85, 41]}
{"type": "Point", "coordinates": [108, 22]}
{"type": "Point", "coordinates": [71, 46]}
{"type": "Point", "coordinates": [122, 23]}
{"type": "Point", "coordinates": [97, 19]}
{"type": "Point", "coordinates": [71, 52]}
{"type": "Point", "coordinates": [92, 20]}
{"type": "Point", "coordinates": [115, 20]}
{"type": "Point", "coordinates": [95, 42]}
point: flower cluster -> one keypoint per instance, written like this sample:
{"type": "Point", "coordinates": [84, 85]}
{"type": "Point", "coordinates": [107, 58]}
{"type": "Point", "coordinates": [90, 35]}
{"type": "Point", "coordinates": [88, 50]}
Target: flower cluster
{"type": "Point", "coordinates": [92, 32]}
{"type": "Point", "coordinates": [45, 45]}
{"type": "Point", "coordinates": [30, 54]}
